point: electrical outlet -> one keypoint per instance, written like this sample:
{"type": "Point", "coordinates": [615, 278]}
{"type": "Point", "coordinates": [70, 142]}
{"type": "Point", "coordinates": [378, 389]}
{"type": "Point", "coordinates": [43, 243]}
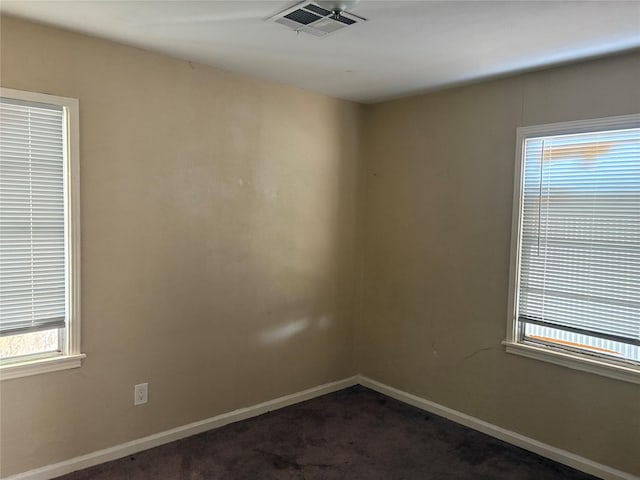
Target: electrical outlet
{"type": "Point", "coordinates": [140, 393]}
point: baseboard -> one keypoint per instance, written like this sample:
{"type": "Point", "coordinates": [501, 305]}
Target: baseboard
{"type": "Point", "coordinates": [145, 443]}
{"type": "Point", "coordinates": [548, 451]}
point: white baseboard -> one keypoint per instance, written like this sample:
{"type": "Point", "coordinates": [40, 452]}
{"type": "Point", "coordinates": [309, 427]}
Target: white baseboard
{"type": "Point", "coordinates": [112, 453]}
{"type": "Point", "coordinates": [548, 451]}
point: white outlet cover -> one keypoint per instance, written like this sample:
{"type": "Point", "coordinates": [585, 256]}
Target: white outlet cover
{"type": "Point", "coordinates": [140, 393]}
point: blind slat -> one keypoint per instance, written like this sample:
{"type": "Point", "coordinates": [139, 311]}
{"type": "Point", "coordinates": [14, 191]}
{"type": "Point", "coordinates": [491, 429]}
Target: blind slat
{"type": "Point", "coordinates": [580, 233]}
{"type": "Point", "coordinates": [32, 217]}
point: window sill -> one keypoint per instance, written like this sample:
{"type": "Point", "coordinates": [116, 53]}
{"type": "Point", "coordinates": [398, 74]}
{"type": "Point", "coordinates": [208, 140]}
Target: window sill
{"type": "Point", "coordinates": [576, 361]}
{"type": "Point", "coordinates": [41, 365]}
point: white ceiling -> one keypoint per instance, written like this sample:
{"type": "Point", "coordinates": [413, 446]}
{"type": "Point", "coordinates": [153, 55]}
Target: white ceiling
{"type": "Point", "coordinates": [405, 47]}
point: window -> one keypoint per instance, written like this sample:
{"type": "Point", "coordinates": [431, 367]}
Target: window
{"type": "Point", "coordinates": [575, 273]}
{"type": "Point", "coordinates": [39, 234]}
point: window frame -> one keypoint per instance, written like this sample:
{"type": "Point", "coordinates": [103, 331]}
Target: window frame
{"type": "Point", "coordinates": [557, 355]}
{"type": "Point", "coordinates": [70, 356]}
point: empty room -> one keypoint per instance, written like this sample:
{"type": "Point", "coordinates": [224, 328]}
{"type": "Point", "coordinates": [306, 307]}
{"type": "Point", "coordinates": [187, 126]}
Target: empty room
{"type": "Point", "coordinates": [374, 239]}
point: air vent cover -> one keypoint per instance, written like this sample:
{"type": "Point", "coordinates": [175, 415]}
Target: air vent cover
{"type": "Point", "coordinates": [311, 18]}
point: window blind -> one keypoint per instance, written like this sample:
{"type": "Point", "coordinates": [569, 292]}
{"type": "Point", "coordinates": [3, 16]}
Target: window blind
{"type": "Point", "coordinates": [32, 217]}
{"type": "Point", "coordinates": [580, 234]}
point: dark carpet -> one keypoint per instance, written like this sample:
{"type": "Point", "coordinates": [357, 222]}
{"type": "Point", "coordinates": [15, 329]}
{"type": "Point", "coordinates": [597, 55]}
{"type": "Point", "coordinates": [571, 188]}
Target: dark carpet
{"type": "Point", "coordinates": [351, 434]}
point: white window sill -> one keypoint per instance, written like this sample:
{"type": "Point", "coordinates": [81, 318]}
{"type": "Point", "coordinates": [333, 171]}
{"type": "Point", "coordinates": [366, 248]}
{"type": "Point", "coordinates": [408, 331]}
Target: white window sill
{"type": "Point", "coordinates": [627, 373]}
{"type": "Point", "coordinates": [41, 365]}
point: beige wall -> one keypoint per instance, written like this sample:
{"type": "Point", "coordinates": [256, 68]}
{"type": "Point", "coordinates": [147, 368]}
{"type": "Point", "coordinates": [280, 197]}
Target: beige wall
{"type": "Point", "coordinates": [437, 239]}
{"type": "Point", "coordinates": [218, 244]}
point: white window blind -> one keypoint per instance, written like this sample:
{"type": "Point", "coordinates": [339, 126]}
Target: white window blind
{"type": "Point", "coordinates": [580, 235]}
{"type": "Point", "coordinates": [32, 217]}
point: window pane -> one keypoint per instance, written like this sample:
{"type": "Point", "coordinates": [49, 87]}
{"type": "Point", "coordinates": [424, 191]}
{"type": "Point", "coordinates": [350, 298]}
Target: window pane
{"type": "Point", "coordinates": [588, 343]}
{"type": "Point", "coordinates": [580, 251]}
{"type": "Point", "coordinates": [30, 343]}
{"type": "Point", "coordinates": [32, 217]}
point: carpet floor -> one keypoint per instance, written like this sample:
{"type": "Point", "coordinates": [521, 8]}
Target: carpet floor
{"type": "Point", "coordinates": [352, 434]}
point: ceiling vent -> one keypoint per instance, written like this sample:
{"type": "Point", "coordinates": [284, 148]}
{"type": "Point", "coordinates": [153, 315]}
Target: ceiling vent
{"type": "Point", "coordinates": [309, 17]}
